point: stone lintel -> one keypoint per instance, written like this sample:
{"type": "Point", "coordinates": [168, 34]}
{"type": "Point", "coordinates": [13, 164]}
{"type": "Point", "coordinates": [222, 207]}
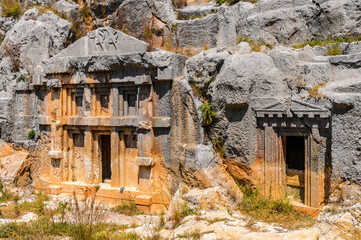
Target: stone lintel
{"type": "Point", "coordinates": [102, 121]}
{"type": "Point", "coordinates": [44, 120]}
{"type": "Point", "coordinates": [53, 83]}
{"type": "Point", "coordinates": [144, 161]}
{"type": "Point", "coordinates": [56, 154]}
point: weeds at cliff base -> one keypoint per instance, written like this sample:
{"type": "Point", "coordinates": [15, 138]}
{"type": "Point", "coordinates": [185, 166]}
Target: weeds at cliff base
{"type": "Point", "coordinates": [277, 211]}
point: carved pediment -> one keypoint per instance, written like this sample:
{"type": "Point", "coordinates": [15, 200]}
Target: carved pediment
{"type": "Point", "coordinates": [104, 41]}
{"type": "Point", "coordinates": [294, 108]}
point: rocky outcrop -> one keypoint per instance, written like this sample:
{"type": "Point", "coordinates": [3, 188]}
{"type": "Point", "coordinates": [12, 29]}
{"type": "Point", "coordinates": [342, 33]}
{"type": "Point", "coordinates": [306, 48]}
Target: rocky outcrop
{"type": "Point", "coordinates": [37, 37]}
{"type": "Point", "coordinates": [34, 38]}
{"type": "Point", "coordinates": [277, 22]}
{"type": "Point", "coordinates": [70, 9]}
{"type": "Point", "coordinates": [14, 167]}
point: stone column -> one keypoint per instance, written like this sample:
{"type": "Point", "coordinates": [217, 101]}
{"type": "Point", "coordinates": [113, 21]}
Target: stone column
{"type": "Point", "coordinates": [269, 162]}
{"type": "Point", "coordinates": [88, 155]}
{"type": "Point", "coordinates": [114, 101]}
{"type": "Point", "coordinates": [87, 101]}
{"type": "Point", "coordinates": [312, 186]}
{"type": "Point", "coordinates": [115, 164]}
{"type": "Point", "coordinates": [65, 165]}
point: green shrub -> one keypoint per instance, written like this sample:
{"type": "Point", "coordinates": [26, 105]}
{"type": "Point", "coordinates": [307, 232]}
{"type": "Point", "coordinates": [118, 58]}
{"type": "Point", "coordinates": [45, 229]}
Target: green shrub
{"type": "Point", "coordinates": [11, 8]}
{"type": "Point", "coordinates": [207, 113]}
{"type": "Point", "coordinates": [31, 134]}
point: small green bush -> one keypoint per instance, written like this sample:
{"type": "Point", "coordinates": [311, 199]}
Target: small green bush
{"type": "Point", "coordinates": [207, 113]}
{"type": "Point", "coordinates": [11, 8]}
{"type": "Point", "coordinates": [31, 134]}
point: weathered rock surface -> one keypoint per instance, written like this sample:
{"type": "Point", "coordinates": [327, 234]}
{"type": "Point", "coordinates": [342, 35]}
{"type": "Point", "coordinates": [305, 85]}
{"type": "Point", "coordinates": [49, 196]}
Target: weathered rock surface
{"type": "Point", "coordinates": [37, 37]}
{"type": "Point", "coordinates": [277, 22]}
{"type": "Point", "coordinates": [14, 167]}
{"type": "Point", "coordinates": [338, 222]}
{"type": "Point", "coordinates": [239, 81]}
{"type": "Point", "coordinates": [70, 9]}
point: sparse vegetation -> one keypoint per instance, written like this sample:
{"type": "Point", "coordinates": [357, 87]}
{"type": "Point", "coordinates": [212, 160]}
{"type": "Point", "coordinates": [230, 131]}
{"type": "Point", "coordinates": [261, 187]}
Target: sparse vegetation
{"type": "Point", "coordinates": [214, 220]}
{"type": "Point", "coordinates": [334, 50]}
{"type": "Point", "coordinates": [195, 235]}
{"type": "Point", "coordinates": [6, 195]}
{"type": "Point", "coordinates": [255, 45]}
{"type": "Point", "coordinates": [16, 209]}
{"type": "Point", "coordinates": [127, 209]}
{"type": "Point", "coordinates": [11, 8]}
{"type": "Point", "coordinates": [218, 145]}
{"type": "Point", "coordinates": [208, 113]}
{"type": "Point", "coordinates": [22, 77]}
{"type": "Point", "coordinates": [336, 40]}
{"type": "Point", "coordinates": [313, 92]}
{"type": "Point", "coordinates": [278, 211]}
{"type": "Point", "coordinates": [44, 228]}
{"type": "Point", "coordinates": [31, 134]}
{"type": "Point", "coordinates": [180, 211]}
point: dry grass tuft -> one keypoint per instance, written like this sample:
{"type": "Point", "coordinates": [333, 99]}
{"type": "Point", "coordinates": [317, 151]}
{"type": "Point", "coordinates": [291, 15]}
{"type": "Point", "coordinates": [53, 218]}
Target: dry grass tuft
{"type": "Point", "coordinates": [279, 211]}
{"type": "Point", "coordinates": [313, 92]}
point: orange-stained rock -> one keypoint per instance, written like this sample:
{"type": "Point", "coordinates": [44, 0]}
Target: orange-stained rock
{"type": "Point", "coordinates": [143, 200]}
{"type": "Point", "coordinates": [53, 190]}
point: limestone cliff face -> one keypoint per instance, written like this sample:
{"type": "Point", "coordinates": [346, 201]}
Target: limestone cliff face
{"type": "Point", "coordinates": [148, 99]}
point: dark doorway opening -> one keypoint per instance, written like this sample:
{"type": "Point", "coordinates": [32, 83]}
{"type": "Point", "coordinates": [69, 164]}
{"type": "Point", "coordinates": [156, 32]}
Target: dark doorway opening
{"type": "Point", "coordinates": [106, 159]}
{"type": "Point", "coordinates": [294, 147]}
{"type": "Point", "coordinates": [295, 153]}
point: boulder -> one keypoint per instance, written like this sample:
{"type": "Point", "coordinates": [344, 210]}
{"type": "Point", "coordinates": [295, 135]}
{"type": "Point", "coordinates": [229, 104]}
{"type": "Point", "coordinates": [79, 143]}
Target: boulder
{"type": "Point", "coordinates": [70, 9]}
{"type": "Point", "coordinates": [204, 67]}
{"type": "Point", "coordinates": [242, 78]}
{"type": "Point", "coordinates": [37, 37]}
{"type": "Point", "coordinates": [104, 8]}
{"type": "Point", "coordinates": [14, 167]}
